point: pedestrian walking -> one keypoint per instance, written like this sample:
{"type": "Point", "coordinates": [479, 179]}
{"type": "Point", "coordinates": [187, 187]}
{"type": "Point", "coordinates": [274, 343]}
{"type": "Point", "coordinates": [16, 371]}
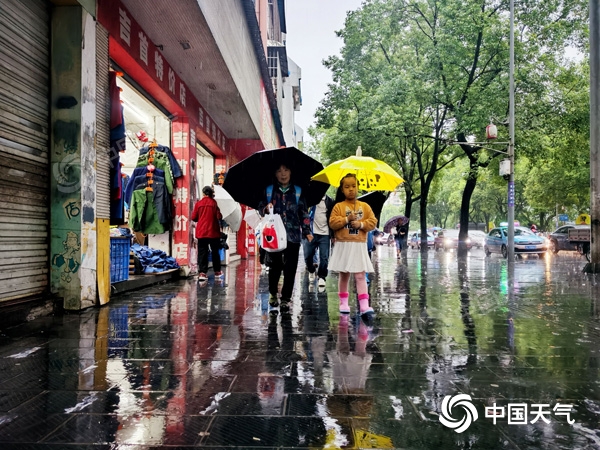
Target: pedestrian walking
{"type": "Point", "coordinates": [351, 220]}
{"type": "Point", "coordinates": [207, 215]}
{"type": "Point", "coordinates": [286, 199]}
{"type": "Point", "coordinates": [400, 237]}
{"type": "Point", "coordinates": [319, 226]}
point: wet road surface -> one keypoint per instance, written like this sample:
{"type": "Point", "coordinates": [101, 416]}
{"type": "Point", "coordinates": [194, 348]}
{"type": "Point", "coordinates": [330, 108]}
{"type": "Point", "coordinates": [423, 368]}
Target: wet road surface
{"type": "Point", "coordinates": [513, 364]}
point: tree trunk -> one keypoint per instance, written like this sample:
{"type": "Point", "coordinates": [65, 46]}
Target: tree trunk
{"type": "Point", "coordinates": [408, 207]}
{"type": "Point", "coordinates": [463, 232]}
{"type": "Point", "coordinates": [423, 204]}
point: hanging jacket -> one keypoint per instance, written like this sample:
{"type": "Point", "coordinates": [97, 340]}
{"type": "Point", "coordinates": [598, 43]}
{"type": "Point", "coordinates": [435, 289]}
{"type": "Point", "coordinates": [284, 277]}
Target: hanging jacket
{"type": "Point", "coordinates": [206, 214]}
{"type": "Point", "coordinates": [175, 168]}
{"type": "Point", "coordinates": [161, 161]}
{"type": "Point", "coordinates": [143, 215]}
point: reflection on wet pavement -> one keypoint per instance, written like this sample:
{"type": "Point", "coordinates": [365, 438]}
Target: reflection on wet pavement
{"type": "Point", "coordinates": [183, 365]}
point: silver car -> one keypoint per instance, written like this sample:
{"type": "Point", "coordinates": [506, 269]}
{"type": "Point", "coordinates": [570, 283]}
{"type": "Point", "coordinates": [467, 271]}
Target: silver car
{"type": "Point", "coordinates": [559, 239]}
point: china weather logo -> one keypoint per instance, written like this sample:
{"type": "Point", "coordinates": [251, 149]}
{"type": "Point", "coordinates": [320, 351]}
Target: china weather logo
{"type": "Point", "coordinates": [469, 413]}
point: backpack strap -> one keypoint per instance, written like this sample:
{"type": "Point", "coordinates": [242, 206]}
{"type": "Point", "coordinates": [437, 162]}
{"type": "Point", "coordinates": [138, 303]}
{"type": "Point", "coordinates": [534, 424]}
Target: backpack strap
{"type": "Point", "coordinates": [298, 193]}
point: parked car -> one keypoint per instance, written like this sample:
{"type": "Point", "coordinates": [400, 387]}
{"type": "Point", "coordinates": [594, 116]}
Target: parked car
{"type": "Point", "coordinates": [525, 242]}
{"type": "Point", "coordinates": [559, 239]}
{"type": "Point", "coordinates": [448, 239]}
{"type": "Point", "coordinates": [414, 240]}
{"type": "Point", "coordinates": [384, 239]}
{"type": "Point", "coordinates": [477, 238]}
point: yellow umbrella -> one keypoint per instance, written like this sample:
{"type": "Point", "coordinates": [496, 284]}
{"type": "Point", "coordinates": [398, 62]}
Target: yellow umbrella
{"type": "Point", "coordinates": [372, 174]}
{"type": "Point", "coordinates": [365, 439]}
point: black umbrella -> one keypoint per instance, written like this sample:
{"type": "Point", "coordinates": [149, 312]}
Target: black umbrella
{"type": "Point", "coordinates": [246, 181]}
{"type": "Point", "coordinates": [375, 200]}
{"type": "Point", "coordinates": [394, 222]}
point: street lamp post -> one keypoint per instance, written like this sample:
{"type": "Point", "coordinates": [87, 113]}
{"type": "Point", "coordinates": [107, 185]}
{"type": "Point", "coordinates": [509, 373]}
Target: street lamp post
{"type": "Point", "coordinates": [511, 140]}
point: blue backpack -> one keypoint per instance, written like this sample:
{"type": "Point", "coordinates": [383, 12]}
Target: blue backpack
{"type": "Point", "coordinates": [269, 191]}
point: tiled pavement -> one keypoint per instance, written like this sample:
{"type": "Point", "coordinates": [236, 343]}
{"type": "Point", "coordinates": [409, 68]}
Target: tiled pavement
{"type": "Point", "coordinates": [182, 365]}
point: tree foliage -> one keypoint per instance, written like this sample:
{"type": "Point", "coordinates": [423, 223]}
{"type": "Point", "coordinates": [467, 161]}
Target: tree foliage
{"type": "Point", "coordinates": [418, 81]}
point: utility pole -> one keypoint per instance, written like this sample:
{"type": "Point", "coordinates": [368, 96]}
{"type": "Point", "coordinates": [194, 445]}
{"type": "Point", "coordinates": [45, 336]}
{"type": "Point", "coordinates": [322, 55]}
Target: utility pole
{"type": "Point", "coordinates": [511, 141]}
{"type": "Point", "coordinates": [594, 266]}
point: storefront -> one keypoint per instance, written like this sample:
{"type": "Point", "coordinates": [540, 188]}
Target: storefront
{"type": "Point", "coordinates": [158, 106]}
{"type": "Point", "coordinates": [58, 111]}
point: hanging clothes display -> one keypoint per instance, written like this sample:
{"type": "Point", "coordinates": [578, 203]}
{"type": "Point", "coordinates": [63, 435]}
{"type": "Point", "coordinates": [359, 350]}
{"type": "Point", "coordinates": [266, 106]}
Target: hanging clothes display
{"type": "Point", "coordinates": [150, 189]}
{"type": "Point", "coordinates": [167, 151]}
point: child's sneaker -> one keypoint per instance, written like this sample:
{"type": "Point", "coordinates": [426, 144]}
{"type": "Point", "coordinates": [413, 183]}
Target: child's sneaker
{"type": "Point", "coordinates": [202, 276]}
{"type": "Point", "coordinates": [219, 274]}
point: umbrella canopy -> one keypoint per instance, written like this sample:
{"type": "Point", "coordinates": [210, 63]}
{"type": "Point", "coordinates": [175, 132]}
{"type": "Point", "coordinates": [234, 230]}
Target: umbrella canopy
{"type": "Point", "coordinates": [372, 174]}
{"type": "Point", "coordinates": [394, 222]}
{"type": "Point", "coordinates": [375, 200]}
{"type": "Point", "coordinates": [252, 218]}
{"type": "Point", "coordinates": [246, 181]}
{"type": "Point", "coordinates": [230, 209]}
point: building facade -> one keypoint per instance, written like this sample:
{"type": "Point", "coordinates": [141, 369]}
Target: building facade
{"type": "Point", "coordinates": [87, 87]}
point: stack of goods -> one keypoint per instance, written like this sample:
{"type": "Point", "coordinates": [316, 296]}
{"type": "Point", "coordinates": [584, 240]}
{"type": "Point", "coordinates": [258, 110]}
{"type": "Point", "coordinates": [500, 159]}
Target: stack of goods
{"type": "Point", "coordinates": [151, 260]}
{"type": "Point", "coordinates": [150, 189]}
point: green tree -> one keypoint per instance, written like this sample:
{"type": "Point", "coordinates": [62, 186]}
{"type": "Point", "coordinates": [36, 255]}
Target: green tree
{"type": "Point", "coordinates": [417, 81]}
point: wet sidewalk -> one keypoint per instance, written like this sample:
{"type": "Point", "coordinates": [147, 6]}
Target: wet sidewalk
{"type": "Point", "coordinates": [455, 346]}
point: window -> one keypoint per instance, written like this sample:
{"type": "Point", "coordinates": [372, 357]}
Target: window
{"type": "Point", "coordinates": [273, 62]}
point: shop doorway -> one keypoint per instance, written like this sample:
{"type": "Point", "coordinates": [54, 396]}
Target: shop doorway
{"type": "Point", "coordinates": [205, 167]}
{"type": "Point", "coordinates": [145, 122]}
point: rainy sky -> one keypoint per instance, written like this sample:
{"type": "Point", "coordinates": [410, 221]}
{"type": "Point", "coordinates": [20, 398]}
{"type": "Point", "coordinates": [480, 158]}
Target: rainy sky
{"type": "Point", "coordinates": [311, 26]}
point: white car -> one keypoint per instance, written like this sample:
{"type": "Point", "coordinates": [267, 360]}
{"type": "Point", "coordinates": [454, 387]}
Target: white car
{"type": "Point", "coordinates": [414, 240]}
{"type": "Point", "coordinates": [477, 238]}
{"type": "Point", "coordinates": [384, 239]}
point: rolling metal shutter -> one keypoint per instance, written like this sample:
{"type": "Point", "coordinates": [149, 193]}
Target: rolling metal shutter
{"type": "Point", "coordinates": [24, 156]}
{"type": "Point", "coordinates": [102, 125]}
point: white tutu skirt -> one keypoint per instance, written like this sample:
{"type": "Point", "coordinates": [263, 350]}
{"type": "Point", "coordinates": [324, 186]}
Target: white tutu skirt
{"type": "Point", "coordinates": [350, 257]}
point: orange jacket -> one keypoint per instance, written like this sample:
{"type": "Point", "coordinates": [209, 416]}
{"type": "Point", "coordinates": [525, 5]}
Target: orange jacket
{"type": "Point", "coordinates": [341, 227]}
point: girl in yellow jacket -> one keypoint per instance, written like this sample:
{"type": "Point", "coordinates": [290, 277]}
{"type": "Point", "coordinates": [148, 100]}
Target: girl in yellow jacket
{"type": "Point", "coordinates": [351, 220]}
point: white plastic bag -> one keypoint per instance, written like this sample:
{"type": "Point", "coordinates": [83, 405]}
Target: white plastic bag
{"type": "Point", "coordinates": [273, 237]}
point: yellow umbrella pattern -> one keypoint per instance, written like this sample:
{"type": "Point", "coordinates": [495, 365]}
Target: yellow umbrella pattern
{"type": "Point", "coordinates": [372, 174]}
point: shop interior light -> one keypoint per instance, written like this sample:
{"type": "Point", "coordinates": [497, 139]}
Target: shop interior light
{"type": "Point", "coordinates": [133, 109]}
